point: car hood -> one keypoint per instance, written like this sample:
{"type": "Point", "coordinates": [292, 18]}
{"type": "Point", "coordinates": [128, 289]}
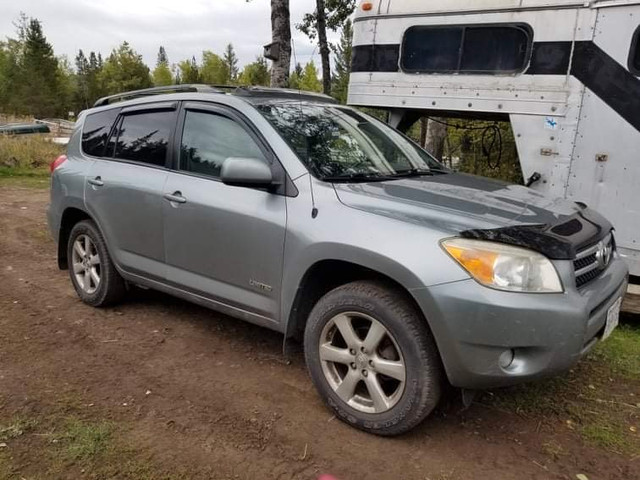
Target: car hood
{"type": "Point", "coordinates": [456, 202]}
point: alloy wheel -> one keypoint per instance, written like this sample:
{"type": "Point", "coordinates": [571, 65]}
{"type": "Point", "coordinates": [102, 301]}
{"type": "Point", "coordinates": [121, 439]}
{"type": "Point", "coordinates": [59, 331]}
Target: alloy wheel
{"type": "Point", "coordinates": [86, 264]}
{"type": "Point", "coordinates": [362, 362]}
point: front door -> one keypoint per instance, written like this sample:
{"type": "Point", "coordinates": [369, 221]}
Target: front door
{"type": "Point", "coordinates": [222, 242]}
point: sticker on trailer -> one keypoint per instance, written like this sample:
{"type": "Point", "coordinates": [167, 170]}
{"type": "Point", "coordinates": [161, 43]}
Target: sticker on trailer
{"type": "Point", "coordinates": [550, 123]}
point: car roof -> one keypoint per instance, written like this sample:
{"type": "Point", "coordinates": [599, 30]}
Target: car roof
{"type": "Point", "coordinates": [249, 94]}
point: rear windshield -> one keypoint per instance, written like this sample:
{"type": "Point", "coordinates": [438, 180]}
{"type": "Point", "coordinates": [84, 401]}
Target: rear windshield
{"type": "Point", "coordinates": [95, 131]}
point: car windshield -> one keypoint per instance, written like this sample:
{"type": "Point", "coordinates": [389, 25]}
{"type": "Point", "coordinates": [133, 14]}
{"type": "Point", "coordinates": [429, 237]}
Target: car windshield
{"type": "Point", "coordinates": [339, 143]}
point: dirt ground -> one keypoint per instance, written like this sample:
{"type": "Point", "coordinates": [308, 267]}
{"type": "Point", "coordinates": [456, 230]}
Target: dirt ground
{"type": "Point", "coordinates": [198, 392]}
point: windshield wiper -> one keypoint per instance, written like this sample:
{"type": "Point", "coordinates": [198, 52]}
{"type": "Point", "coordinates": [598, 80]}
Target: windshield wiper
{"type": "Point", "coordinates": [413, 172]}
{"type": "Point", "coordinates": [359, 177]}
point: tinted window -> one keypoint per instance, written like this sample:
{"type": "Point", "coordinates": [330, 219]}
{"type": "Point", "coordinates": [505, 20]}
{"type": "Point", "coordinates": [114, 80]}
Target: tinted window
{"type": "Point", "coordinates": [634, 56]}
{"type": "Point", "coordinates": [144, 137]}
{"type": "Point", "coordinates": [466, 49]}
{"type": "Point", "coordinates": [209, 139]}
{"type": "Point", "coordinates": [95, 131]}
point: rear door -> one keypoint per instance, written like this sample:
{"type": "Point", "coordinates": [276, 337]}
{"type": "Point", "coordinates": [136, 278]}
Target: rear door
{"type": "Point", "coordinates": [225, 243]}
{"type": "Point", "coordinates": [124, 187]}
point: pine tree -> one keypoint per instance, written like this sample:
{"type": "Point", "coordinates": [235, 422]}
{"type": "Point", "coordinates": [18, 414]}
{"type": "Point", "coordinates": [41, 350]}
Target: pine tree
{"type": "Point", "coordinates": [162, 73]}
{"type": "Point", "coordinates": [93, 77]}
{"type": "Point", "coordinates": [81, 100]}
{"type": "Point", "coordinates": [38, 91]}
{"type": "Point", "coordinates": [343, 52]}
{"type": "Point", "coordinates": [231, 60]}
{"type": "Point", "coordinates": [162, 56]}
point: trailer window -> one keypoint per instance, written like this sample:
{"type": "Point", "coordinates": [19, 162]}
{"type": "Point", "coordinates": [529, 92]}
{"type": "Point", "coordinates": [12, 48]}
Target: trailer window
{"type": "Point", "coordinates": [466, 49]}
{"type": "Point", "coordinates": [634, 55]}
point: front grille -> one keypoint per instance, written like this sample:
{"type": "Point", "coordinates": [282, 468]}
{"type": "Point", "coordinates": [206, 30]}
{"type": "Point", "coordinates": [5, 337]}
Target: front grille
{"type": "Point", "coordinates": [592, 261]}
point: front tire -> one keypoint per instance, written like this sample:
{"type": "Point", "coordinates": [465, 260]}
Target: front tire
{"type": "Point", "coordinates": [93, 275]}
{"type": "Point", "coordinates": [373, 358]}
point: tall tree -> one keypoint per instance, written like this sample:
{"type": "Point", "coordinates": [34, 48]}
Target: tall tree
{"type": "Point", "coordinates": [162, 73]}
{"type": "Point", "coordinates": [188, 71]}
{"type": "Point", "coordinates": [321, 27]}
{"type": "Point", "coordinates": [162, 56]}
{"type": "Point", "coordinates": [231, 60]}
{"type": "Point", "coordinates": [343, 53]}
{"type": "Point", "coordinates": [309, 80]}
{"type": "Point", "coordinates": [214, 70]}
{"type": "Point", "coordinates": [93, 77]}
{"type": "Point", "coordinates": [82, 81]}
{"type": "Point", "coordinates": [124, 70]}
{"type": "Point", "coordinates": [256, 73]}
{"type": "Point", "coordinates": [38, 70]}
{"type": "Point", "coordinates": [329, 14]}
{"type": "Point", "coordinates": [281, 35]}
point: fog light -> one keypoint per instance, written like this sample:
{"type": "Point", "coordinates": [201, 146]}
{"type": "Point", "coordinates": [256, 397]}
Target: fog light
{"type": "Point", "coordinates": [506, 358]}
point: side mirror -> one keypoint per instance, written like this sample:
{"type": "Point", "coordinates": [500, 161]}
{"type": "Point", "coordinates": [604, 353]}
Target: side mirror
{"type": "Point", "coordinates": [246, 172]}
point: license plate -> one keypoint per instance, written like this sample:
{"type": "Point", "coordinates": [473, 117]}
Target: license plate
{"type": "Point", "coordinates": [613, 317]}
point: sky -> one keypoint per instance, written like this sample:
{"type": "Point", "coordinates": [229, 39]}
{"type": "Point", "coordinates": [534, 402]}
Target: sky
{"type": "Point", "coordinates": [184, 27]}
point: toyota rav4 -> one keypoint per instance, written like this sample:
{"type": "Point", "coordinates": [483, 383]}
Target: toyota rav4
{"type": "Point", "coordinates": [314, 219]}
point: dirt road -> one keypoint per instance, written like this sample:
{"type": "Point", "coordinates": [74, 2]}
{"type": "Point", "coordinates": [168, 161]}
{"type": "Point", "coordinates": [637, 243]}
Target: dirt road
{"type": "Point", "coordinates": [206, 394]}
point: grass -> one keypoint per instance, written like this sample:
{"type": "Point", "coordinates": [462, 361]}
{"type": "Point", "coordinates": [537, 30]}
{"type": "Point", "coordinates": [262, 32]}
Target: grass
{"type": "Point", "coordinates": [599, 398]}
{"type": "Point", "coordinates": [73, 447]}
{"type": "Point", "coordinates": [621, 352]}
{"type": "Point", "coordinates": [86, 441]}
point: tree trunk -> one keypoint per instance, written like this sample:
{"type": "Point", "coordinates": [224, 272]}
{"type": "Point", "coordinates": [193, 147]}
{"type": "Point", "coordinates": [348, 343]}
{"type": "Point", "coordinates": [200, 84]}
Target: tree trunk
{"type": "Point", "coordinates": [436, 133]}
{"type": "Point", "coordinates": [424, 121]}
{"type": "Point", "coordinates": [281, 34]}
{"type": "Point", "coordinates": [324, 46]}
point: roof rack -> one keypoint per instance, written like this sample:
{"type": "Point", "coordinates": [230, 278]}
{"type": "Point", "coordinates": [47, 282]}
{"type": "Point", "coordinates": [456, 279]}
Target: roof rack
{"type": "Point", "coordinates": [287, 93]}
{"type": "Point", "coordinates": [121, 97]}
{"type": "Point", "coordinates": [262, 92]}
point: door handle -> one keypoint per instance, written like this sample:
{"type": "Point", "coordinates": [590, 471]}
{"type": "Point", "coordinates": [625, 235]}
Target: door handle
{"type": "Point", "coordinates": [96, 182]}
{"type": "Point", "coordinates": [175, 197]}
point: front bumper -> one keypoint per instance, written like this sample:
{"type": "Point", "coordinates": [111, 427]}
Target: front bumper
{"type": "Point", "coordinates": [548, 333]}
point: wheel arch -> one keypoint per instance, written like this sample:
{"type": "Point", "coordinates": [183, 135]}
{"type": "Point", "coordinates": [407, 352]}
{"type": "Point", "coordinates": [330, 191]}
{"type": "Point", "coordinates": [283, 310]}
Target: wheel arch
{"type": "Point", "coordinates": [327, 274]}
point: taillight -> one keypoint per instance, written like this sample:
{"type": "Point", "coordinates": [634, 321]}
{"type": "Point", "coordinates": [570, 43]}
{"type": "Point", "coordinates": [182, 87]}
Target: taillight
{"type": "Point", "coordinates": [57, 162]}
{"type": "Point", "coordinates": [367, 6]}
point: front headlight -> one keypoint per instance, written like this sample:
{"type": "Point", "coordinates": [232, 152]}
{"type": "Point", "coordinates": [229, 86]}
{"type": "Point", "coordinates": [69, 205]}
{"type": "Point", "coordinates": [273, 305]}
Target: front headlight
{"type": "Point", "coordinates": [504, 267]}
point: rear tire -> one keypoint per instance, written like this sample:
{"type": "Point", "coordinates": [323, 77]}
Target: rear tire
{"type": "Point", "coordinates": [382, 375]}
{"type": "Point", "coordinates": [93, 275]}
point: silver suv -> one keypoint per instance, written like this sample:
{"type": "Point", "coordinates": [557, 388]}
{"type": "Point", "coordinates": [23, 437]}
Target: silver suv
{"type": "Point", "coordinates": [316, 220]}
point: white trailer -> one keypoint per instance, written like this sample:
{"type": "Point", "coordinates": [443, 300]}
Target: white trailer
{"type": "Point", "coordinates": [565, 73]}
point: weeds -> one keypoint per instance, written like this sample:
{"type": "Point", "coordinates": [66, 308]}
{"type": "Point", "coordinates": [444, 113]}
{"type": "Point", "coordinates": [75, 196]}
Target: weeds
{"type": "Point", "coordinates": [16, 428]}
{"type": "Point", "coordinates": [26, 154]}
